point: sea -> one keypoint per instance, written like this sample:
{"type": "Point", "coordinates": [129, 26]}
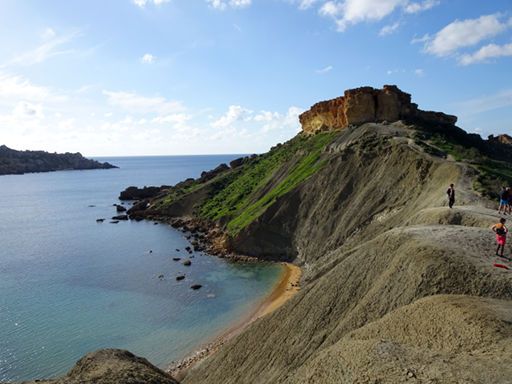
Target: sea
{"type": "Point", "coordinates": [70, 285]}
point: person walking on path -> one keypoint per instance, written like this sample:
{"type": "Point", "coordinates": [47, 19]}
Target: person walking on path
{"type": "Point", "coordinates": [504, 196]}
{"type": "Point", "coordinates": [451, 195]}
{"type": "Point", "coordinates": [501, 236]}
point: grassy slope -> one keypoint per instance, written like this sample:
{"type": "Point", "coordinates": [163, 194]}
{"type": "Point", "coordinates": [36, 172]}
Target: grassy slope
{"type": "Point", "coordinates": [240, 196]}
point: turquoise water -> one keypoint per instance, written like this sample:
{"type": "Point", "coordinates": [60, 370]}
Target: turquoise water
{"type": "Point", "coordinates": [69, 285]}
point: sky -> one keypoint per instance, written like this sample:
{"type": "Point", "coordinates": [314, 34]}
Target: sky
{"type": "Point", "coordinates": [175, 77]}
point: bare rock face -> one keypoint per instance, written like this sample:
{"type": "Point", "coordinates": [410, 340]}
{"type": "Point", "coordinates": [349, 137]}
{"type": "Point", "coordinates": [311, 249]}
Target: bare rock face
{"type": "Point", "coordinates": [502, 139]}
{"type": "Point", "coordinates": [366, 104]}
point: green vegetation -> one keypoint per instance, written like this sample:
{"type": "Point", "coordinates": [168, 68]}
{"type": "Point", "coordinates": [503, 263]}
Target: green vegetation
{"type": "Point", "coordinates": [239, 198]}
{"type": "Point", "coordinates": [491, 174]}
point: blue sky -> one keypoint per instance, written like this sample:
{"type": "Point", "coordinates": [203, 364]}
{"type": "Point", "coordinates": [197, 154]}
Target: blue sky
{"type": "Point", "coordinates": [164, 77]}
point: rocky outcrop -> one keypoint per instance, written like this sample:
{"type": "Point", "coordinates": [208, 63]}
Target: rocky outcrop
{"type": "Point", "coordinates": [367, 104]}
{"type": "Point", "coordinates": [501, 139]}
{"type": "Point", "coordinates": [112, 366]}
{"type": "Point", "coordinates": [134, 193]}
{"type": "Point", "coordinates": [14, 162]}
{"type": "Point", "coordinates": [208, 175]}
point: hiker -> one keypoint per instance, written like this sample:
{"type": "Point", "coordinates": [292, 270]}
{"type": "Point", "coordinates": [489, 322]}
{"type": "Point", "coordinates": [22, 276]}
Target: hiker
{"type": "Point", "coordinates": [451, 195]}
{"type": "Point", "coordinates": [504, 200]}
{"type": "Point", "coordinates": [509, 201]}
{"type": "Point", "coordinates": [501, 235]}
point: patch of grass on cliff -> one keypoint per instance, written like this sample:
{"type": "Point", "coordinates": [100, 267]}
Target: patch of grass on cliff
{"type": "Point", "coordinates": [491, 174]}
{"type": "Point", "coordinates": [457, 151]}
{"type": "Point", "coordinates": [176, 193]}
{"type": "Point", "coordinates": [238, 202]}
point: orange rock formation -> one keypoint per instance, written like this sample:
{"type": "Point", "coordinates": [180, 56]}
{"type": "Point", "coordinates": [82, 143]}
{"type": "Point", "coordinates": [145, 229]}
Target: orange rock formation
{"type": "Point", "coordinates": [367, 104]}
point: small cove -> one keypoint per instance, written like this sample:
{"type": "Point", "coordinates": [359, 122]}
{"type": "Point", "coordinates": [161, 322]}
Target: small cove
{"type": "Point", "coordinates": [69, 285]}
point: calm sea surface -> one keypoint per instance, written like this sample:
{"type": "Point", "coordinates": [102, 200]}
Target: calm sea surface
{"type": "Point", "coordinates": [69, 285]}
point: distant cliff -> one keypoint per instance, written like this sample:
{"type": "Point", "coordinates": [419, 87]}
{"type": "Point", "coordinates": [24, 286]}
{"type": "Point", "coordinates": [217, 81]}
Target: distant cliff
{"type": "Point", "coordinates": [368, 105]}
{"type": "Point", "coordinates": [14, 162]}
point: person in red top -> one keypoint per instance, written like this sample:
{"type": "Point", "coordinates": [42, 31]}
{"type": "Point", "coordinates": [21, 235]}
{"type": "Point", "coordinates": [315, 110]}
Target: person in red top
{"type": "Point", "coordinates": [501, 235]}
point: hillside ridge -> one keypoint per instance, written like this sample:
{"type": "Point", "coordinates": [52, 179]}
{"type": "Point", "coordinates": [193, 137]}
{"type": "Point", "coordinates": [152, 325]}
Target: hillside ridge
{"type": "Point", "coordinates": [20, 162]}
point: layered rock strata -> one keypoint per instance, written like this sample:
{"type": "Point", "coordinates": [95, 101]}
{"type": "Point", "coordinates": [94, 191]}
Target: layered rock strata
{"type": "Point", "coordinates": [365, 105]}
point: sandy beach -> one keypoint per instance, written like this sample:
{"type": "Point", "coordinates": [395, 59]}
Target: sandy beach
{"type": "Point", "coordinates": [284, 289]}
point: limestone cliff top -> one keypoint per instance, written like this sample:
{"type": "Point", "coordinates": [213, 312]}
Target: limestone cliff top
{"type": "Point", "coordinates": [367, 104]}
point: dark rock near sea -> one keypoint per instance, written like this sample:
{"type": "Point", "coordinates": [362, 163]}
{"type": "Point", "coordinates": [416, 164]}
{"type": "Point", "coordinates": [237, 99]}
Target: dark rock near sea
{"type": "Point", "coordinates": [134, 193]}
{"type": "Point", "coordinates": [196, 286]}
{"type": "Point", "coordinates": [114, 222]}
{"type": "Point", "coordinates": [180, 277]}
{"type": "Point", "coordinates": [208, 175]}
{"type": "Point", "coordinates": [100, 220]}
{"type": "Point", "coordinates": [187, 263]}
{"type": "Point", "coordinates": [120, 217]}
{"type": "Point", "coordinates": [14, 162]}
{"type": "Point", "coordinates": [120, 208]}
{"type": "Point", "coordinates": [176, 258]}
{"type": "Point", "coordinates": [238, 162]}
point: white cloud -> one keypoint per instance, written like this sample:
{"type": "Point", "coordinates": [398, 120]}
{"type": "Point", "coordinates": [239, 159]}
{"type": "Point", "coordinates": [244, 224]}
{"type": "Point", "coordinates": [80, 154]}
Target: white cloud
{"type": "Point", "coordinates": [426, 37]}
{"type": "Point", "coordinates": [266, 116]}
{"type": "Point", "coordinates": [177, 120]}
{"type": "Point", "coordinates": [17, 87]}
{"type": "Point", "coordinates": [465, 33]}
{"type": "Point", "coordinates": [148, 58]}
{"type": "Point", "coordinates": [419, 72]}
{"type": "Point", "coordinates": [288, 122]}
{"type": "Point", "coordinates": [48, 33]}
{"type": "Point", "coordinates": [28, 110]}
{"type": "Point", "coordinates": [351, 12]}
{"type": "Point", "coordinates": [143, 3]}
{"type": "Point", "coordinates": [324, 70]}
{"type": "Point", "coordinates": [235, 113]}
{"type": "Point", "coordinates": [422, 6]}
{"type": "Point", "coordinates": [490, 51]}
{"type": "Point", "coordinates": [306, 4]}
{"type": "Point", "coordinates": [243, 122]}
{"type": "Point", "coordinates": [135, 103]}
{"type": "Point", "coordinates": [52, 46]}
{"type": "Point", "coordinates": [486, 103]}
{"type": "Point", "coordinates": [223, 4]}
{"type": "Point", "coordinates": [389, 29]}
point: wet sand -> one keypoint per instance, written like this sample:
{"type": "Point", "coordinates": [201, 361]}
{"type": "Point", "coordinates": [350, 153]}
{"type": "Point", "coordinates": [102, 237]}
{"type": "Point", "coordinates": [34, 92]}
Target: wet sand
{"type": "Point", "coordinates": [285, 289]}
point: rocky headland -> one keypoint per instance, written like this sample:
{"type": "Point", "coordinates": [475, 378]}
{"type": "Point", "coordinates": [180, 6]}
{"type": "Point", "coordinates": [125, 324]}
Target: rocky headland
{"type": "Point", "coordinates": [14, 162]}
{"type": "Point", "coordinates": [396, 287]}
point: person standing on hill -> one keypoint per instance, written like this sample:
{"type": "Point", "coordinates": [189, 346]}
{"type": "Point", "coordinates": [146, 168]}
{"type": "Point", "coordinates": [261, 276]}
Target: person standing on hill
{"type": "Point", "coordinates": [451, 195]}
{"type": "Point", "coordinates": [504, 197]}
{"type": "Point", "coordinates": [508, 209]}
{"type": "Point", "coordinates": [501, 235]}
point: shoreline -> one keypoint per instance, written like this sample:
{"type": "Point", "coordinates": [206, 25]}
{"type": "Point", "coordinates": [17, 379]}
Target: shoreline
{"type": "Point", "coordinates": [283, 290]}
